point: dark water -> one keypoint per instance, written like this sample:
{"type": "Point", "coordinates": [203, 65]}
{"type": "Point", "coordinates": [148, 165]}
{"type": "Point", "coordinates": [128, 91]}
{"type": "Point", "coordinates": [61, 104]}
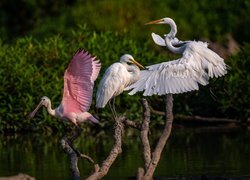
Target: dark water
{"type": "Point", "coordinates": [190, 152]}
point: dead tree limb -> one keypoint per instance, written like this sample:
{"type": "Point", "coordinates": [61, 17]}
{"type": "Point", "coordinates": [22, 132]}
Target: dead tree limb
{"type": "Point", "coordinates": [20, 176]}
{"type": "Point", "coordinates": [67, 148]}
{"type": "Point", "coordinates": [144, 133]}
{"type": "Point", "coordinates": [73, 153]}
{"type": "Point", "coordinates": [163, 138]}
{"type": "Point", "coordinates": [132, 124]}
{"type": "Point", "coordinates": [148, 171]}
{"type": "Point", "coordinates": [116, 150]}
{"type": "Point", "coordinates": [198, 118]}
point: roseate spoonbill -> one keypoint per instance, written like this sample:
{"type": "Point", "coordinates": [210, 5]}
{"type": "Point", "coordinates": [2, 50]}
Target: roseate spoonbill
{"type": "Point", "coordinates": [196, 65]}
{"type": "Point", "coordinates": [79, 80]}
{"type": "Point", "coordinates": [117, 77]}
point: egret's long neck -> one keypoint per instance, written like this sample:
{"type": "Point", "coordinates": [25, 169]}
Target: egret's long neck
{"type": "Point", "coordinates": [173, 27]}
{"type": "Point", "coordinates": [173, 30]}
{"type": "Point", "coordinates": [177, 50]}
{"type": "Point", "coordinates": [51, 111]}
{"type": "Point", "coordinates": [135, 72]}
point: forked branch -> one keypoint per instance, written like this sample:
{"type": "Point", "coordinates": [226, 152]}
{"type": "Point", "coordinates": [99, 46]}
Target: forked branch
{"type": "Point", "coordinates": [73, 153]}
{"type": "Point", "coordinates": [151, 160]}
{"type": "Point", "coordinates": [148, 171]}
{"type": "Point", "coordinates": [116, 150]}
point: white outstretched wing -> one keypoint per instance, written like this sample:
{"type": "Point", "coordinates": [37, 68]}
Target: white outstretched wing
{"type": "Point", "coordinates": [182, 75]}
{"type": "Point", "coordinates": [173, 77]}
{"type": "Point", "coordinates": [209, 60]}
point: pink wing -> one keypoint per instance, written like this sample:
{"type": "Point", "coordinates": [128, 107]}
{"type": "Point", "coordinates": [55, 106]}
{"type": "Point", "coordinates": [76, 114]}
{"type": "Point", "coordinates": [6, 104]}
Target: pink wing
{"type": "Point", "coordinates": [79, 80]}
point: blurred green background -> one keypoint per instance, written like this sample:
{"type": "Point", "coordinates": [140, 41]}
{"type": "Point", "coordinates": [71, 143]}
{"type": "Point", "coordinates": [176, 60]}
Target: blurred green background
{"type": "Point", "coordinates": [38, 39]}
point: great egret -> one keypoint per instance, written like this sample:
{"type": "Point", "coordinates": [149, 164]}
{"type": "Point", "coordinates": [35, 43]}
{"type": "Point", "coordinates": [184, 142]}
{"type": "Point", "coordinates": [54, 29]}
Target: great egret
{"type": "Point", "coordinates": [79, 80]}
{"type": "Point", "coordinates": [117, 77]}
{"type": "Point", "coordinates": [196, 65]}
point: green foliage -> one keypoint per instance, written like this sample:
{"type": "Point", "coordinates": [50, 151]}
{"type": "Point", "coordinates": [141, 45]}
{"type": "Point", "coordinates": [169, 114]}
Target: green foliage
{"type": "Point", "coordinates": [31, 69]}
{"type": "Point", "coordinates": [33, 65]}
{"type": "Point", "coordinates": [195, 19]}
{"type": "Point", "coordinates": [234, 100]}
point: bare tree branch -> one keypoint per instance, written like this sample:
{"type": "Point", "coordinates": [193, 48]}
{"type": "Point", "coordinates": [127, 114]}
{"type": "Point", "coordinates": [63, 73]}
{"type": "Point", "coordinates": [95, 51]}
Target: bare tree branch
{"type": "Point", "coordinates": [132, 124]}
{"type": "Point", "coordinates": [151, 162]}
{"type": "Point", "coordinates": [116, 150]}
{"type": "Point", "coordinates": [198, 118]}
{"type": "Point", "coordinates": [144, 133]}
{"type": "Point", "coordinates": [163, 139]}
{"type": "Point", "coordinates": [20, 176]}
{"type": "Point", "coordinates": [140, 173]}
{"type": "Point", "coordinates": [73, 158]}
{"type": "Point", "coordinates": [73, 153]}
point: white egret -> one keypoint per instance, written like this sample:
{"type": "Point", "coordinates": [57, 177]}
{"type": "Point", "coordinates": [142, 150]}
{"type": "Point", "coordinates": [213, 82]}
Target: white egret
{"type": "Point", "coordinates": [117, 77]}
{"type": "Point", "coordinates": [196, 65]}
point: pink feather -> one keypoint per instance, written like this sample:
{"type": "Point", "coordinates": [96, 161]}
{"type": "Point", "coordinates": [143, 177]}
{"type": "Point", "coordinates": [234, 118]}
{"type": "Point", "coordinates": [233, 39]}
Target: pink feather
{"type": "Point", "coordinates": [79, 80]}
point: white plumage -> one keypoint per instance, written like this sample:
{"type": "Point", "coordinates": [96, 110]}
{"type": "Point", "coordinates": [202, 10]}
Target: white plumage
{"type": "Point", "coordinates": [197, 64]}
{"type": "Point", "coordinates": [118, 76]}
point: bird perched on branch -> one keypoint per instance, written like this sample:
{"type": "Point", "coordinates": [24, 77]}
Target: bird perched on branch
{"type": "Point", "coordinates": [197, 64]}
{"type": "Point", "coordinates": [117, 77]}
{"type": "Point", "coordinates": [79, 80]}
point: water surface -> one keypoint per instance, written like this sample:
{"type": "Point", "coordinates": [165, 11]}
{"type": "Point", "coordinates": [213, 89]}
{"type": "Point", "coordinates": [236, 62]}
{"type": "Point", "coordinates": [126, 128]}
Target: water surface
{"type": "Point", "coordinates": [190, 152]}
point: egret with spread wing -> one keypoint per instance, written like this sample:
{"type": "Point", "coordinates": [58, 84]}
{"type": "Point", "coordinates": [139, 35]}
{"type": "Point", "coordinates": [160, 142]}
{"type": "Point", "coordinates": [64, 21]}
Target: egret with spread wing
{"type": "Point", "coordinates": [79, 80]}
{"type": "Point", "coordinates": [196, 65]}
{"type": "Point", "coordinates": [117, 77]}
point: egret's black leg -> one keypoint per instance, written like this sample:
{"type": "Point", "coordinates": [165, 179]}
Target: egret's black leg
{"type": "Point", "coordinates": [112, 110]}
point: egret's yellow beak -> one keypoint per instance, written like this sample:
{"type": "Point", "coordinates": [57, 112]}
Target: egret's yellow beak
{"type": "Point", "coordinates": [137, 64]}
{"type": "Point", "coordinates": [159, 21]}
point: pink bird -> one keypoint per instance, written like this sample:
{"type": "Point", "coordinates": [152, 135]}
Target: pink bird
{"type": "Point", "coordinates": [79, 80]}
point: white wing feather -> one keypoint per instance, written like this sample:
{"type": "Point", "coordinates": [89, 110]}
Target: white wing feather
{"type": "Point", "coordinates": [208, 59]}
{"type": "Point", "coordinates": [114, 80]}
{"type": "Point", "coordinates": [169, 77]}
{"type": "Point", "coordinates": [158, 39]}
{"type": "Point", "coordinates": [182, 75]}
